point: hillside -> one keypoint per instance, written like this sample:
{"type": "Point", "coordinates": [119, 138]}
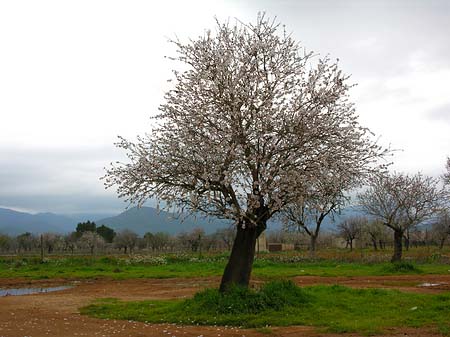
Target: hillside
{"type": "Point", "coordinates": [148, 219]}
{"type": "Point", "coordinates": [139, 220]}
{"type": "Point", "coordinates": [14, 223]}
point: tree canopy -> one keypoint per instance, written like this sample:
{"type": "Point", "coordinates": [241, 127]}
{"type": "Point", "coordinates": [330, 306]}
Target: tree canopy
{"type": "Point", "coordinates": [252, 120]}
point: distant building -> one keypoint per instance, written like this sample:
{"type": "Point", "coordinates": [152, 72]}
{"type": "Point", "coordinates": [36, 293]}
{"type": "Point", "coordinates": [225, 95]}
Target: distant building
{"type": "Point", "coordinates": [261, 243]}
{"type": "Point", "coordinates": [278, 247]}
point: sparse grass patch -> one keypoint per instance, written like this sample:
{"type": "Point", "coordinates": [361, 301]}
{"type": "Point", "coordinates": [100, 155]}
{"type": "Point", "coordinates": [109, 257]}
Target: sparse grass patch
{"type": "Point", "coordinates": [335, 308]}
{"type": "Point", "coordinates": [265, 330]}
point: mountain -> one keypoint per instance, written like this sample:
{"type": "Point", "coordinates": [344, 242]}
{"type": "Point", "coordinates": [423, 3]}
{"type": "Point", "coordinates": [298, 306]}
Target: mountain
{"type": "Point", "coordinates": [139, 220]}
{"type": "Point", "coordinates": [149, 219]}
{"type": "Point", "coordinates": [14, 223]}
{"type": "Point", "coordinates": [329, 224]}
{"type": "Point", "coordinates": [83, 217]}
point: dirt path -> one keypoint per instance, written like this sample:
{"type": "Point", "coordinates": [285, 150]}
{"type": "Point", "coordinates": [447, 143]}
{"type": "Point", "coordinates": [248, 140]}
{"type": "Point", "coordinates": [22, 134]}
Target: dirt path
{"type": "Point", "coordinates": [413, 283]}
{"type": "Point", "coordinates": [56, 314]}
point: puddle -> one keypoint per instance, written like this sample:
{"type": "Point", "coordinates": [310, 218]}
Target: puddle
{"type": "Point", "coordinates": [426, 284]}
{"type": "Point", "coordinates": [28, 291]}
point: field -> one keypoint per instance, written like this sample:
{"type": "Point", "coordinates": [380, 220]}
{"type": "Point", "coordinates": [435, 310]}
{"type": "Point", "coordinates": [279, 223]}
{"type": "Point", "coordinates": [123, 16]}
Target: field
{"type": "Point", "coordinates": [340, 294]}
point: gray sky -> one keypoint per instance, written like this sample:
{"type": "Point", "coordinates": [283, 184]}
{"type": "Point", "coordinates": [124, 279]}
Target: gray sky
{"type": "Point", "coordinates": [74, 75]}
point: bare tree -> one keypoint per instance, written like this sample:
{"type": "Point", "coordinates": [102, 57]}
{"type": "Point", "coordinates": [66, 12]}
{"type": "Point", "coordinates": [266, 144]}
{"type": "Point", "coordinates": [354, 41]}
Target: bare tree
{"type": "Point", "coordinates": [252, 118]}
{"type": "Point", "coordinates": [320, 199]}
{"type": "Point", "coordinates": [157, 241]}
{"type": "Point", "coordinates": [126, 239]}
{"type": "Point", "coordinates": [350, 229]}
{"type": "Point", "coordinates": [226, 236]}
{"type": "Point", "coordinates": [376, 233]}
{"type": "Point", "coordinates": [441, 228]}
{"type": "Point", "coordinates": [70, 241]}
{"type": "Point", "coordinates": [51, 241]}
{"type": "Point", "coordinates": [401, 201]}
{"type": "Point", "coordinates": [192, 240]}
{"type": "Point", "coordinates": [27, 241]}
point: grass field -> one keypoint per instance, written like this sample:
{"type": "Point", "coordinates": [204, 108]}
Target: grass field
{"type": "Point", "coordinates": [335, 308]}
{"type": "Point", "coordinates": [274, 302]}
{"type": "Point", "coordinates": [266, 266]}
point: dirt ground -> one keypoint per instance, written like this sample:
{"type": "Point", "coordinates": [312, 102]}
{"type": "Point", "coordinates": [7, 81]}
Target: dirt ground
{"type": "Point", "coordinates": [56, 313]}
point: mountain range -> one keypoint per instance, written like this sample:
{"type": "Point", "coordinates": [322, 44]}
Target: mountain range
{"type": "Point", "coordinates": [149, 219]}
{"type": "Point", "coordinates": [139, 220]}
{"type": "Point", "coordinates": [14, 222]}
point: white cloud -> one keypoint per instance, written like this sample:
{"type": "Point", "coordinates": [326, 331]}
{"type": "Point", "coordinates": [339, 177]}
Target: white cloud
{"type": "Point", "coordinates": [74, 75]}
{"type": "Point", "coordinates": [398, 108]}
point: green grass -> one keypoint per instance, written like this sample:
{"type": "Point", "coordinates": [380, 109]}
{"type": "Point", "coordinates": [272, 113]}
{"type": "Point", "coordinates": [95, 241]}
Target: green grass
{"type": "Point", "coordinates": [334, 308]}
{"type": "Point", "coordinates": [190, 266]}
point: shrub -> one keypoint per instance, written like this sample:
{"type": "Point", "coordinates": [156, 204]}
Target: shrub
{"type": "Point", "coordinates": [240, 300]}
{"type": "Point", "coordinates": [402, 267]}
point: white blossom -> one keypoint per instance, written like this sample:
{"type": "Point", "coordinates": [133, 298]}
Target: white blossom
{"type": "Point", "coordinates": [251, 123]}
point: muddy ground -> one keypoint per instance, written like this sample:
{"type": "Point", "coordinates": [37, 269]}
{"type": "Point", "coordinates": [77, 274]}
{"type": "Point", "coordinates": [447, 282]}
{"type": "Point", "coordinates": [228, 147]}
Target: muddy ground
{"type": "Point", "coordinates": [56, 314]}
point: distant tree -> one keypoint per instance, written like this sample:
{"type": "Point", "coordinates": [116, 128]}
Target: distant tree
{"type": "Point", "coordinates": [196, 238]}
{"type": "Point", "coordinates": [91, 240]}
{"type": "Point", "coordinates": [126, 240]}
{"type": "Point", "coordinates": [70, 241]}
{"type": "Point", "coordinates": [50, 241]}
{"type": "Point", "coordinates": [192, 240]}
{"type": "Point", "coordinates": [250, 120]}
{"type": "Point", "coordinates": [277, 236]}
{"type": "Point", "coordinates": [318, 200]}
{"type": "Point", "coordinates": [350, 229]}
{"type": "Point", "coordinates": [5, 242]}
{"type": "Point", "coordinates": [401, 201]}
{"type": "Point", "coordinates": [26, 241]}
{"type": "Point", "coordinates": [226, 236]}
{"type": "Point", "coordinates": [106, 233]}
{"type": "Point", "coordinates": [157, 241]}
{"type": "Point", "coordinates": [416, 236]}
{"type": "Point", "coordinates": [83, 227]}
{"type": "Point", "coordinates": [377, 233]}
{"type": "Point", "coordinates": [441, 228]}
{"type": "Point", "coordinates": [148, 238]}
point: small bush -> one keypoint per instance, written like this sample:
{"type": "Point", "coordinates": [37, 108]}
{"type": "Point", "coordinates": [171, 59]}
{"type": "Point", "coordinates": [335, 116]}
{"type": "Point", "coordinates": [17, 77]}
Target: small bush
{"type": "Point", "coordinates": [402, 267]}
{"type": "Point", "coordinates": [108, 260]}
{"type": "Point", "coordinates": [238, 300]}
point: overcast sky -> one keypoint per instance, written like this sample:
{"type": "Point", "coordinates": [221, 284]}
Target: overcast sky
{"type": "Point", "coordinates": [75, 74]}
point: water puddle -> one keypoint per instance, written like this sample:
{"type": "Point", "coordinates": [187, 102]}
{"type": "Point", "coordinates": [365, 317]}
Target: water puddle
{"type": "Point", "coordinates": [28, 291]}
{"type": "Point", "coordinates": [427, 284]}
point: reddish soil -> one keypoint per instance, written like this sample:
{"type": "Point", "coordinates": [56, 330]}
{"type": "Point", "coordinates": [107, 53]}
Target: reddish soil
{"type": "Point", "coordinates": [414, 283]}
{"type": "Point", "coordinates": [56, 314]}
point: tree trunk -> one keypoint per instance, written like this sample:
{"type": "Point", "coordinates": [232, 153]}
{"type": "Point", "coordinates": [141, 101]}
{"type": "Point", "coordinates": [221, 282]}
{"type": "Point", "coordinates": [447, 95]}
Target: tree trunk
{"type": "Point", "coordinates": [398, 238]}
{"type": "Point", "coordinates": [374, 243]}
{"type": "Point", "coordinates": [240, 263]}
{"type": "Point", "coordinates": [351, 244]}
{"type": "Point", "coordinates": [313, 245]}
{"type": "Point", "coordinates": [406, 243]}
{"type": "Point", "coordinates": [441, 245]}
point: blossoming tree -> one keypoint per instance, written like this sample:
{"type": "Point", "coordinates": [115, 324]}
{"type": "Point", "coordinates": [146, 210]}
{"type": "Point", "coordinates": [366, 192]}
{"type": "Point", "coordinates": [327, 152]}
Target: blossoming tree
{"type": "Point", "coordinates": [402, 201]}
{"type": "Point", "coordinates": [250, 121]}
